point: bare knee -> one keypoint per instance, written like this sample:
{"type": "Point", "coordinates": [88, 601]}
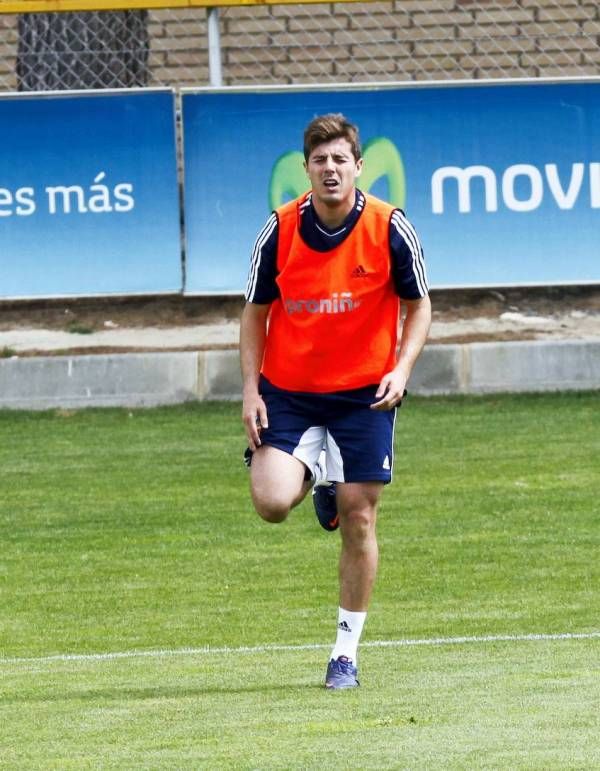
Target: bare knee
{"type": "Point", "coordinates": [357, 506]}
{"type": "Point", "coordinates": [358, 525]}
{"type": "Point", "coordinates": [276, 483]}
{"type": "Point", "coordinates": [270, 509]}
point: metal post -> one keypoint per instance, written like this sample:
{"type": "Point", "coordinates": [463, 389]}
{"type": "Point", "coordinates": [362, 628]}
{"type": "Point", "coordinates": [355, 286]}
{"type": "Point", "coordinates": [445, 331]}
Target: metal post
{"type": "Point", "coordinates": [214, 48]}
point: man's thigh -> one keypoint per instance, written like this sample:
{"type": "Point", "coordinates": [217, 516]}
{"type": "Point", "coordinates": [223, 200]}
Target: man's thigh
{"type": "Point", "coordinates": [276, 477]}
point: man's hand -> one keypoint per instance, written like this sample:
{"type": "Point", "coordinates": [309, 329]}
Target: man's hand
{"type": "Point", "coordinates": [414, 334]}
{"type": "Point", "coordinates": [391, 391]}
{"type": "Point", "coordinates": [253, 330]}
{"type": "Point", "coordinates": [254, 417]}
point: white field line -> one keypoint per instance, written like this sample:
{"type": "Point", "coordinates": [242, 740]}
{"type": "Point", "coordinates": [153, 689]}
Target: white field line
{"type": "Point", "coordinates": [268, 647]}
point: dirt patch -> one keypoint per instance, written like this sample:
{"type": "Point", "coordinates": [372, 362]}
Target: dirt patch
{"type": "Point", "coordinates": [109, 349]}
{"type": "Point", "coordinates": [95, 314]}
{"type": "Point", "coordinates": [459, 316]}
{"type": "Point", "coordinates": [176, 310]}
{"type": "Point", "coordinates": [531, 301]}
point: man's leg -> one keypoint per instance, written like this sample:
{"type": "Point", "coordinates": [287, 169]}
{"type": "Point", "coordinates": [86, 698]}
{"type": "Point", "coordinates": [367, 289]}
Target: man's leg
{"type": "Point", "coordinates": [357, 508]}
{"type": "Point", "coordinates": [277, 482]}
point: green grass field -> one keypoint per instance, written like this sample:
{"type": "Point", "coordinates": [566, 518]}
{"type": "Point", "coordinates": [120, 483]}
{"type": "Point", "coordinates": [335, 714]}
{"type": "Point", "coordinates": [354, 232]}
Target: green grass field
{"type": "Point", "coordinates": [149, 619]}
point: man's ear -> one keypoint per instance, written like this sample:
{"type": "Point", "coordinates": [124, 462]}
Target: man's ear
{"type": "Point", "coordinates": [359, 168]}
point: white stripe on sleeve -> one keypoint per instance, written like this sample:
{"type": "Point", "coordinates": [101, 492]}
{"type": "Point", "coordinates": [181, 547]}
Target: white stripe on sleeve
{"type": "Point", "coordinates": [261, 240]}
{"type": "Point", "coordinates": [408, 233]}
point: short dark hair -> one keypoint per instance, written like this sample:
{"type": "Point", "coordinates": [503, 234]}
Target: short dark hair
{"type": "Point", "coordinates": [324, 128]}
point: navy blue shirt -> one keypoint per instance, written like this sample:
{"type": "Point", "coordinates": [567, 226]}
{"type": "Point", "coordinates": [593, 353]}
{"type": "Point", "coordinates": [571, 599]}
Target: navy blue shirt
{"type": "Point", "coordinates": [408, 265]}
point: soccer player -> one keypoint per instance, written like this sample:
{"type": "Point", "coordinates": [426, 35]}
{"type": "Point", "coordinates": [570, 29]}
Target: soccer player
{"type": "Point", "coordinates": [322, 371]}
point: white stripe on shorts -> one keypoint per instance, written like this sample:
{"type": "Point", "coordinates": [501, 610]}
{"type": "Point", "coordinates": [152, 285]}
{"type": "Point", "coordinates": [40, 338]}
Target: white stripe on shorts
{"type": "Point", "coordinates": [334, 461]}
{"type": "Point", "coordinates": [309, 446]}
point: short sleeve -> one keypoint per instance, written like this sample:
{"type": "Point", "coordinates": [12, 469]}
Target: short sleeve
{"type": "Point", "coordinates": [262, 287]}
{"type": "Point", "coordinates": [408, 263]}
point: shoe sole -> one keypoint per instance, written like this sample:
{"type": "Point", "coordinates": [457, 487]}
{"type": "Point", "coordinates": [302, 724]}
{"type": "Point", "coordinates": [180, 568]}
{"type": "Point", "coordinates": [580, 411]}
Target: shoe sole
{"type": "Point", "coordinates": [332, 687]}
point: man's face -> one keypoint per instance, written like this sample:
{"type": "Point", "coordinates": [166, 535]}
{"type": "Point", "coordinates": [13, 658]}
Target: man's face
{"type": "Point", "coordinates": [332, 171]}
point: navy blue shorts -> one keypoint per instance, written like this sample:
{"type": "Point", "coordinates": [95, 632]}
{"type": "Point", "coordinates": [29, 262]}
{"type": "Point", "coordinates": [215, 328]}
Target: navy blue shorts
{"type": "Point", "coordinates": [358, 441]}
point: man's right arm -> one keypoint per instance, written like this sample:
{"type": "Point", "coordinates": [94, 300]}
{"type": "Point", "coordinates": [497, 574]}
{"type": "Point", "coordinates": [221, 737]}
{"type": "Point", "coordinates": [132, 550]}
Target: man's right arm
{"type": "Point", "coordinates": [261, 291]}
{"type": "Point", "coordinates": [253, 333]}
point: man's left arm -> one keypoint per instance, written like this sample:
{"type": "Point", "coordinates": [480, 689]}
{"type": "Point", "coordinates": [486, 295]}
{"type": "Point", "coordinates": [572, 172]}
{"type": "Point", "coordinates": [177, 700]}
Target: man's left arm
{"type": "Point", "coordinates": [414, 335]}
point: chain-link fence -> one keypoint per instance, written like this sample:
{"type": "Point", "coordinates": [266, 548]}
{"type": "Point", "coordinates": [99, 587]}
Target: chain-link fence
{"type": "Point", "coordinates": [316, 43]}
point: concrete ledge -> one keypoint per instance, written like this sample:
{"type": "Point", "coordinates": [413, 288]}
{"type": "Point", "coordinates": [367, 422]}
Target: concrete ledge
{"type": "Point", "coordinates": [539, 366]}
{"type": "Point", "coordinates": [441, 369]}
{"type": "Point", "coordinates": [222, 376]}
{"type": "Point", "coordinates": [129, 380]}
{"type": "Point", "coordinates": [149, 379]}
{"type": "Point", "coordinates": [510, 367]}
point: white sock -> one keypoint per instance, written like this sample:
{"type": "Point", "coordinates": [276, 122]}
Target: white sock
{"type": "Point", "coordinates": [350, 626]}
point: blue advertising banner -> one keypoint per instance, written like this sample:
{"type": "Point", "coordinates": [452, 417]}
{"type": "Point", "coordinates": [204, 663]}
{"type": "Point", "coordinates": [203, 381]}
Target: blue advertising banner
{"type": "Point", "coordinates": [89, 201]}
{"type": "Point", "coordinates": [502, 181]}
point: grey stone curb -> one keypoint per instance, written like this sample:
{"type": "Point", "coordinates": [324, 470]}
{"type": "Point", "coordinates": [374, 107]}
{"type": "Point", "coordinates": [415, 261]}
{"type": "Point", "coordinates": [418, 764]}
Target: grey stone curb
{"type": "Point", "coordinates": [516, 367]}
{"type": "Point", "coordinates": [150, 379]}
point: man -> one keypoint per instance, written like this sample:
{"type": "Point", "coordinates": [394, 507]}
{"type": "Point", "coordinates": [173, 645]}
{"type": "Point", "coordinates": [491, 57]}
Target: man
{"type": "Point", "coordinates": [321, 378]}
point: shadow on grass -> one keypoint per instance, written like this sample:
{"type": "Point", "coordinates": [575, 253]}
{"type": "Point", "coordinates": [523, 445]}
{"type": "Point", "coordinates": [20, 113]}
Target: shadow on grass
{"type": "Point", "coordinates": [158, 693]}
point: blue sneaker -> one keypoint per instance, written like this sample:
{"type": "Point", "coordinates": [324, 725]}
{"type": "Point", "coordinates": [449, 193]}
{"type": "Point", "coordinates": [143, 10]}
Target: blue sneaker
{"type": "Point", "coordinates": [341, 673]}
{"type": "Point", "coordinates": [324, 497]}
{"type": "Point", "coordinates": [325, 503]}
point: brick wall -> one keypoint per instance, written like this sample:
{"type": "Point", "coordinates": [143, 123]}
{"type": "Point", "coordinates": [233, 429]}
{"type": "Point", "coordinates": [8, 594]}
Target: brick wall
{"type": "Point", "coordinates": [8, 52]}
{"type": "Point", "coordinates": [412, 40]}
{"type": "Point", "coordinates": [178, 47]}
{"type": "Point", "coordinates": [367, 42]}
